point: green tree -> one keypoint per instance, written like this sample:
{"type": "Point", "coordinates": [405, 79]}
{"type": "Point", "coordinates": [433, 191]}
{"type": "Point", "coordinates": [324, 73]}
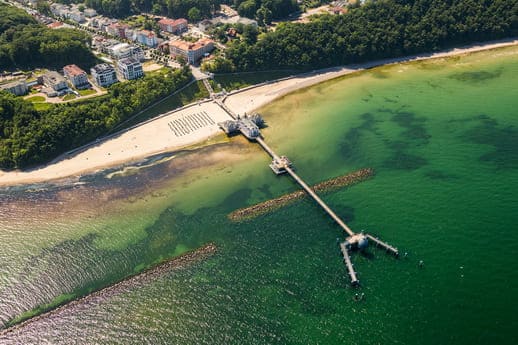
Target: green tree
{"type": "Point", "coordinates": [194, 14]}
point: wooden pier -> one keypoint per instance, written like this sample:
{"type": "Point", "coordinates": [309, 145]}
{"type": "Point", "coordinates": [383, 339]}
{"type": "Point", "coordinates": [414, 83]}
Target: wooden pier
{"type": "Point", "coordinates": [281, 165]}
{"type": "Point", "coordinates": [383, 245]}
{"type": "Point", "coordinates": [348, 264]}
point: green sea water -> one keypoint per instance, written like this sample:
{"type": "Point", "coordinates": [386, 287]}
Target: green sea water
{"type": "Point", "coordinates": [442, 137]}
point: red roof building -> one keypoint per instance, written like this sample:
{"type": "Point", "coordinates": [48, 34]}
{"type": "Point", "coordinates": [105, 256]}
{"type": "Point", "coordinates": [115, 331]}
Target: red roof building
{"type": "Point", "coordinates": [174, 26]}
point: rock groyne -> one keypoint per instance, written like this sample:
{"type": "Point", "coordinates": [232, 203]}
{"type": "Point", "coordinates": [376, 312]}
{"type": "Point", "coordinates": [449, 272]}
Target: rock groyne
{"type": "Point", "coordinates": [98, 296]}
{"type": "Point", "coordinates": [325, 186]}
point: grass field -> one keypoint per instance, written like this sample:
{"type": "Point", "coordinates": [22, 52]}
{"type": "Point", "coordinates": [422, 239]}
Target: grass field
{"type": "Point", "coordinates": [42, 106]}
{"type": "Point", "coordinates": [69, 97]}
{"type": "Point", "coordinates": [86, 92]}
{"type": "Point", "coordinates": [36, 99]}
{"type": "Point", "coordinates": [240, 80]}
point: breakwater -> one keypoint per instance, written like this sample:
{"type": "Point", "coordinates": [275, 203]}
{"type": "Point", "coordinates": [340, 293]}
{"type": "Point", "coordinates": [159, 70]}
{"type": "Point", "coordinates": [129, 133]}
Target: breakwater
{"type": "Point", "coordinates": [325, 186]}
{"type": "Point", "coordinates": [98, 296]}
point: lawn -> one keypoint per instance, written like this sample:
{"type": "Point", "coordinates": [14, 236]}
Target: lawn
{"type": "Point", "coordinates": [240, 80]}
{"type": "Point", "coordinates": [86, 92]}
{"type": "Point", "coordinates": [42, 106]}
{"type": "Point", "coordinates": [36, 99]}
{"type": "Point", "coordinates": [69, 97]}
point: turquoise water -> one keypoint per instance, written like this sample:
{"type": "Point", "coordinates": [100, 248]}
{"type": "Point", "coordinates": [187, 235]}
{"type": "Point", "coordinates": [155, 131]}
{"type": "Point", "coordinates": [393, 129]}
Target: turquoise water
{"type": "Point", "coordinates": [442, 137]}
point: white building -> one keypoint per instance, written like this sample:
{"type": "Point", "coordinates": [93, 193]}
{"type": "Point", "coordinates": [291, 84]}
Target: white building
{"type": "Point", "coordinates": [76, 16]}
{"type": "Point", "coordinates": [124, 50]}
{"type": "Point", "coordinates": [103, 74]}
{"type": "Point", "coordinates": [17, 88]}
{"type": "Point", "coordinates": [192, 52]}
{"type": "Point", "coordinates": [54, 80]}
{"type": "Point", "coordinates": [76, 76]}
{"type": "Point", "coordinates": [147, 37]}
{"type": "Point", "coordinates": [130, 68]}
{"type": "Point", "coordinates": [90, 12]}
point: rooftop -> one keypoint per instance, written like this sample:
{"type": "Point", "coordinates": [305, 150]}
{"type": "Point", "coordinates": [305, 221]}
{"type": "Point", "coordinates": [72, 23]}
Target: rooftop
{"type": "Point", "coordinates": [128, 61]}
{"type": "Point", "coordinates": [103, 67]}
{"type": "Point", "coordinates": [184, 45]}
{"type": "Point", "coordinates": [147, 33]}
{"type": "Point", "coordinates": [12, 84]}
{"type": "Point", "coordinates": [172, 22]}
{"type": "Point", "coordinates": [73, 70]}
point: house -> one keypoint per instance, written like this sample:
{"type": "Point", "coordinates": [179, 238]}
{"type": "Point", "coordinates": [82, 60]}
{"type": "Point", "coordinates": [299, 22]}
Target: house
{"type": "Point", "coordinates": [174, 26]}
{"type": "Point", "coordinates": [103, 74]}
{"type": "Point", "coordinates": [59, 10]}
{"type": "Point", "coordinates": [76, 16]}
{"type": "Point", "coordinates": [124, 50]}
{"type": "Point", "coordinates": [192, 52]}
{"type": "Point", "coordinates": [205, 24]}
{"type": "Point", "coordinates": [76, 76]}
{"type": "Point", "coordinates": [130, 68]}
{"type": "Point", "coordinates": [147, 37]}
{"type": "Point", "coordinates": [55, 25]}
{"type": "Point", "coordinates": [90, 12]}
{"type": "Point", "coordinates": [17, 88]}
{"type": "Point", "coordinates": [117, 29]}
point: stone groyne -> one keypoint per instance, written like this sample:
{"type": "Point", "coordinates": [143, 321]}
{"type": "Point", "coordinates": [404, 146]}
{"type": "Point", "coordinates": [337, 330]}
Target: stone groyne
{"type": "Point", "coordinates": [98, 296]}
{"type": "Point", "coordinates": [325, 186]}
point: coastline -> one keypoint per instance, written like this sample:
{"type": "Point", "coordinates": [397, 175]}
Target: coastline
{"type": "Point", "coordinates": [165, 134]}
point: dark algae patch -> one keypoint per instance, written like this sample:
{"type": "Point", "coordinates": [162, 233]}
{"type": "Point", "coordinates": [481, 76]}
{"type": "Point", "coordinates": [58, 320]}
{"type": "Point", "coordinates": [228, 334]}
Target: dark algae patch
{"type": "Point", "coordinates": [471, 77]}
{"type": "Point", "coordinates": [414, 134]}
{"type": "Point", "coordinates": [502, 139]}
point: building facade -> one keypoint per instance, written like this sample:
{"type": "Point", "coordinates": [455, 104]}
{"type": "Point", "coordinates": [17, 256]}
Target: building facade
{"type": "Point", "coordinates": [130, 68]}
{"type": "Point", "coordinates": [17, 88]}
{"type": "Point", "coordinates": [192, 52]}
{"type": "Point", "coordinates": [76, 76]}
{"type": "Point", "coordinates": [124, 50]}
{"type": "Point", "coordinates": [103, 74]}
{"type": "Point", "coordinates": [117, 29]}
{"type": "Point", "coordinates": [174, 26]}
{"type": "Point", "coordinates": [54, 80]}
{"type": "Point", "coordinates": [147, 37]}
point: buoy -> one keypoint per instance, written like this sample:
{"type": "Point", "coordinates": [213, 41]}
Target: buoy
{"type": "Point", "coordinates": [421, 263]}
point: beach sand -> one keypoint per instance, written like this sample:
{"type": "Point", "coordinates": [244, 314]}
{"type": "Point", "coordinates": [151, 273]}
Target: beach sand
{"type": "Point", "coordinates": [252, 98]}
{"type": "Point", "coordinates": [164, 134]}
{"type": "Point", "coordinates": [177, 130]}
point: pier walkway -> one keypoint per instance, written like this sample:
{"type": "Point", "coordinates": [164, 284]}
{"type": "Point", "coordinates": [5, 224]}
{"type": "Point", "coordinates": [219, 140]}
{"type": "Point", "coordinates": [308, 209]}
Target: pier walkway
{"type": "Point", "coordinates": [319, 201]}
{"type": "Point", "coordinates": [249, 127]}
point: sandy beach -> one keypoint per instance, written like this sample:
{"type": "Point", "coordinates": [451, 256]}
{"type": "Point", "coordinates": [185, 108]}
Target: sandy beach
{"type": "Point", "coordinates": [195, 124]}
{"type": "Point", "coordinates": [255, 97]}
{"type": "Point", "coordinates": [178, 129]}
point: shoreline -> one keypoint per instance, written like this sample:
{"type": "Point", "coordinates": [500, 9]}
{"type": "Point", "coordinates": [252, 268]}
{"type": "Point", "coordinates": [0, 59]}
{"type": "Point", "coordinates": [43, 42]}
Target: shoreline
{"type": "Point", "coordinates": [196, 124]}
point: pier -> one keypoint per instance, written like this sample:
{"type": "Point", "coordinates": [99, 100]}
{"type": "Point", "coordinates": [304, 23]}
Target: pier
{"type": "Point", "coordinates": [249, 126]}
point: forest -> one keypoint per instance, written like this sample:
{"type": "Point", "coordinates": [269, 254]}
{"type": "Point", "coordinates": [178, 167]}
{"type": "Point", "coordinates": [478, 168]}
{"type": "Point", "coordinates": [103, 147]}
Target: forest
{"type": "Point", "coordinates": [263, 10]}
{"type": "Point", "coordinates": [28, 136]}
{"type": "Point", "coordinates": [24, 43]}
{"type": "Point", "coordinates": [377, 30]}
{"type": "Point", "coordinates": [171, 8]}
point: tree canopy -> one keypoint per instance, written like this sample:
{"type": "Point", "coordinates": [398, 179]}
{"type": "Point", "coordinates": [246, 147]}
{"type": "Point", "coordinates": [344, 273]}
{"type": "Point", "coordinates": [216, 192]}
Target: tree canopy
{"type": "Point", "coordinates": [380, 29]}
{"type": "Point", "coordinates": [170, 8]}
{"type": "Point", "coordinates": [28, 136]}
{"type": "Point", "coordinates": [26, 44]}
